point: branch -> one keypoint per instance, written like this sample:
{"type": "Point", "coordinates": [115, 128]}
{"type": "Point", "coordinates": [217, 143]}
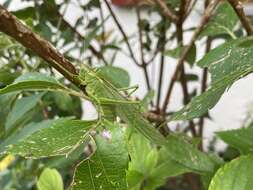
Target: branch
{"type": "Point", "coordinates": [169, 13]}
{"type": "Point", "coordinates": [143, 62]}
{"type": "Point", "coordinates": [11, 26]}
{"type": "Point", "coordinates": [238, 7]}
{"type": "Point", "coordinates": [203, 89]}
{"type": "Point", "coordinates": [161, 69]}
{"type": "Point", "coordinates": [122, 32]}
{"type": "Point", "coordinates": [204, 20]}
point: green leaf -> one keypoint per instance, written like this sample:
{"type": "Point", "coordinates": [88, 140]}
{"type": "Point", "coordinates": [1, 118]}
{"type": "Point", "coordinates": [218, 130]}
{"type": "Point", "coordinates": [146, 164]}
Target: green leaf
{"type": "Point", "coordinates": [227, 64]}
{"type": "Point", "coordinates": [235, 175]}
{"type": "Point", "coordinates": [50, 179]}
{"type": "Point", "coordinates": [146, 100]}
{"type": "Point", "coordinates": [177, 52]}
{"type": "Point", "coordinates": [25, 132]}
{"type": "Point", "coordinates": [167, 167]}
{"type": "Point", "coordinates": [106, 169]}
{"type": "Point", "coordinates": [33, 81]}
{"type": "Point", "coordinates": [186, 154]}
{"type": "Point", "coordinates": [63, 101]}
{"type": "Point", "coordinates": [239, 138]}
{"type": "Point", "coordinates": [152, 170]}
{"type": "Point", "coordinates": [63, 162]}
{"type": "Point", "coordinates": [138, 146]}
{"type": "Point", "coordinates": [23, 14]}
{"type": "Point", "coordinates": [7, 77]}
{"type": "Point", "coordinates": [61, 138]}
{"type": "Point", "coordinates": [223, 22]}
{"type": "Point", "coordinates": [7, 101]}
{"type": "Point", "coordinates": [21, 109]}
{"type": "Point", "coordinates": [115, 75]}
{"type": "Point", "coordinates": [134, 179]}
{"type": "Point", "coordinates": [162, 172]}
{"type": "Point", "coordinates": [140, 166]}
{"type": "Point", "coordinates": [4, 41]}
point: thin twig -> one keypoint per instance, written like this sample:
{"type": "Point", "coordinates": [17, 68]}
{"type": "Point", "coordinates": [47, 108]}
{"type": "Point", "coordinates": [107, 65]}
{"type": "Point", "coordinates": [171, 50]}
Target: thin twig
{"type": "Point", "coordinates": [190, 8]}
{"type": "Point", "coordinates": [204, 20]}
{"type": "Point", "coordinates": [180, 40]}
{"type": "Point", "coordinates": [204, 84]}
{"type": "Point", "coordinates": [143, 63]}
{"type": "Point", "coordinates": [203, 89]}
{"type": "Point", "coordinates": [169, 13]}
{"type": "Point", "coordinates": [161, 71]}
{"type": "Point", "coordinates": [238, 7]}
{"type": "Point", "coordinates": [122, 32]}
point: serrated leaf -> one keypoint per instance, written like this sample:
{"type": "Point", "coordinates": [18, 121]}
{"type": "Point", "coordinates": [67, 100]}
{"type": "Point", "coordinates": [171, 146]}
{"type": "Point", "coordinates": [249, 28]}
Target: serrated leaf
{"type": "Point", "coordinates": [63, 162]}
{"type": "Point", "coordinates": [115, 75]}
{"type": "Point", "coordinates": [50, 179]}
{"type": "Point", "coordinates": [61, 138]}
{"type": "Point", "coordinates": [240, 139]}
{"type": "Point", "coordinates": [33, 81]}
{"type": "Point", "coordinates": [106, 169]}
{"type": "Point", "coordinates": [25, 132]}
{"type": "Point", "coordinates": [223, 22]}
{"type": "Point", "coordinates": [227, 64]}
{"type": "Point", "coordinates": [235, 175]}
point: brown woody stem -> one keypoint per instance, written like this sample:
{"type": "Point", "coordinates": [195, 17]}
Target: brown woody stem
{"type": "Point", "coordinates": [238, 7]}
{"type": "Point", "coordinates": [11, 26]}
